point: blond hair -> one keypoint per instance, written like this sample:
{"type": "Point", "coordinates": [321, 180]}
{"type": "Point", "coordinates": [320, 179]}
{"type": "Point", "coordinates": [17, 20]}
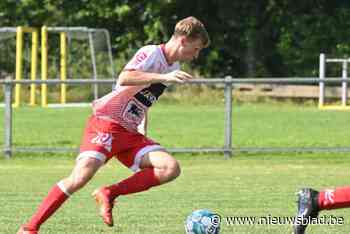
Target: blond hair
{"type": "Point", "coordinates": [192, 28]}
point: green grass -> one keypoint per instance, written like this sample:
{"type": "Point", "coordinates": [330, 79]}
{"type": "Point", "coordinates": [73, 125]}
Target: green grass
{"type": "Point", "coordinates": [188, 125]}
{"type": "Point", "coordinates": [246, 185]}
{"type": "Point", "coordinates": [243, 186]}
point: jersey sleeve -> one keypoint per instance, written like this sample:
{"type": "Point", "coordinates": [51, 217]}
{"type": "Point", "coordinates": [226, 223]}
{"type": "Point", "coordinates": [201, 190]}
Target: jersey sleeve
{"type": "Point", "coordinates": [143, 59]}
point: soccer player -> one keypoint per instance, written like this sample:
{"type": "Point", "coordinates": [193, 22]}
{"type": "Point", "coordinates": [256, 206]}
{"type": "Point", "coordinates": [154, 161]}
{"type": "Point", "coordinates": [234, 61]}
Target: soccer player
{"type": "Point", "coordinates": [311, 202]}
{"type": "Point", "coordinates": [111, 131]}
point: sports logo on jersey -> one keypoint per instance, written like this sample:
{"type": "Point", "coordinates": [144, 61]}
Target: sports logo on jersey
{"type": "Point", "coordinates": [139, 58]}
{"type": "Point", "coordinates": [103, 139]}
{"type": "Point", "coordinates": [134, 112]}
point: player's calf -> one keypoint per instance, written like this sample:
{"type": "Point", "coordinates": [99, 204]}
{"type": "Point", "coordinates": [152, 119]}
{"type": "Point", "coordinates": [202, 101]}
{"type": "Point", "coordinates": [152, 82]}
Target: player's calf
{"type": "Point", "coordinates": [82, 173]}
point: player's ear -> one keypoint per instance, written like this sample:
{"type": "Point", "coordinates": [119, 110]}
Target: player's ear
{"type": "Point", "coordinates": [182, 41]}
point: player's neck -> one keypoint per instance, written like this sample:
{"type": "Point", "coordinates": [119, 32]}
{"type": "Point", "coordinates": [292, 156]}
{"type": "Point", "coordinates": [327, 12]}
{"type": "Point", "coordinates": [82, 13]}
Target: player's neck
{"type": "Point", "coordinates": [170, 51]}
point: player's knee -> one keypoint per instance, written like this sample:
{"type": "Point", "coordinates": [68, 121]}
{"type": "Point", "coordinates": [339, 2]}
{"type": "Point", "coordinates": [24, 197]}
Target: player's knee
{"type": "Point", "coordinates": [82, 173]}
{"type": "Point", "coordinates": [76, 182]}
{"type": "Point", "coordinates": [172, 170]}
{"type": "Point", "coordinates": [81, 181]}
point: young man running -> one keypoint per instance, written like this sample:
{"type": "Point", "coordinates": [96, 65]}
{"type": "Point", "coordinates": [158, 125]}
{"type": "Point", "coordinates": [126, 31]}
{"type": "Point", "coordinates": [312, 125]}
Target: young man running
{"type": "Point", "coordinates": [112, 129]}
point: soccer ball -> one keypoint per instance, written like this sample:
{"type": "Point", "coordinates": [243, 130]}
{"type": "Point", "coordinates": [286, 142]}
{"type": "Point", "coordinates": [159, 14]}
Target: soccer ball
{"type": "Point", "coordinates": [202, 222]}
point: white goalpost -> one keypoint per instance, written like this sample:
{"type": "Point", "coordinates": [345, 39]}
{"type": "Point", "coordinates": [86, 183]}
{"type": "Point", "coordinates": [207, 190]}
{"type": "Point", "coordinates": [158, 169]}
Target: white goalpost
{"type": "Point", "coordinates": [83, 53]}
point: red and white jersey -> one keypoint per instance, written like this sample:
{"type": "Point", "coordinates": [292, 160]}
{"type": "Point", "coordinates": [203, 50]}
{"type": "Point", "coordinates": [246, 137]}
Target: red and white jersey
{"type": "Point", "coordinates": [127, 105]}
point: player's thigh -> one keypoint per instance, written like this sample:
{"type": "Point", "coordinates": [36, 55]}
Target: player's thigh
{"type": "Point", "coordinates": [159, 159]}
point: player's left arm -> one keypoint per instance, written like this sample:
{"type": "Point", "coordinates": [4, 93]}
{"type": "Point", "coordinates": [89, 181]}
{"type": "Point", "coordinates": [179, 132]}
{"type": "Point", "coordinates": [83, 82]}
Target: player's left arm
{"type": "Point", "coordinates": [137, 77]}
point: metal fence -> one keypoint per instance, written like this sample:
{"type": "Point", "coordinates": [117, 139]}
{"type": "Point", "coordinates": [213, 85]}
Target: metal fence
{"type": "Point", "coordinates": [228, 83]}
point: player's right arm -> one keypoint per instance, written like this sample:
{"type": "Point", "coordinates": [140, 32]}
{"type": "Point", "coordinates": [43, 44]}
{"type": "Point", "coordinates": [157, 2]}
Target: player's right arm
{"type": "Point", "coordinates": [136, 77]}
{"type": "Point", "coordinates": [138, 70]}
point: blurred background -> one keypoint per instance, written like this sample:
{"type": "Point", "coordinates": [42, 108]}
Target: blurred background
{"type": "Point", "coordinates": [281, 141]}
{"type": "Point", "coordinates": [265, 38]}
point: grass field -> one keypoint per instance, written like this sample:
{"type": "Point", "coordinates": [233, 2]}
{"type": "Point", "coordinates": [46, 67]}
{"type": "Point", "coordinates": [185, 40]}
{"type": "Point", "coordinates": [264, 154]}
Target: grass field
{"type": "Point", "coordinates": [246, 185]}
{"type": "Point", "coordinates": [186, 125]}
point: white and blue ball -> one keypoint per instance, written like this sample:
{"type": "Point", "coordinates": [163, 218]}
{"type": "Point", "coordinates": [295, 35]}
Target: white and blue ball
{"type": "Point", "coordinates": [202, 222]}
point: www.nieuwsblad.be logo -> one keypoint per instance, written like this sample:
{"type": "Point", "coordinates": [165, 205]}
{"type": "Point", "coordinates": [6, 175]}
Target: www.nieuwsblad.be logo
{"type": "Point", "coordinates": [275, 220]}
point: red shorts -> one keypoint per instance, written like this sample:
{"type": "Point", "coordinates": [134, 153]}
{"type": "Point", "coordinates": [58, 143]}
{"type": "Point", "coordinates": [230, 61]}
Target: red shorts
{"type": "Point", "coordinates": [104, 139]}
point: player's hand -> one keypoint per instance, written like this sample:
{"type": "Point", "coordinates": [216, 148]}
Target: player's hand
{"type": "Point", "coordinates": [177, 77]}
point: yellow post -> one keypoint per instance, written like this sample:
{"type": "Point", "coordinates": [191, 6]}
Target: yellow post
{"type": "Point", "coordinates": [44, 65]}
{"type": "Point", "coordinates": [63, 63]}
{"type": "Point", "coordinates": [33, 66]}
{"type": "Point", "coordinates": [19, 64]}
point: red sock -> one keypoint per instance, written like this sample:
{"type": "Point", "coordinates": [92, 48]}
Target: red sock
{"type": "Point", "coordinates": [48, 206]}
{"type": "Point", "coordinates": [140, 181]}
{"type": "Point", "coordinates": [334, 199]}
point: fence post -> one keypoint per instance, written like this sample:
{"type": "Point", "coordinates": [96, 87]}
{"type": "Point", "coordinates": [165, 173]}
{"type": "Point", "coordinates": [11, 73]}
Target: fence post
{"type": "Point", "coordinates": [322, 75]}
{"type": "Point", "coordinates": [8, 119]}
{"type": "Point", "coordinates": [228, 117]}
{"type": "Point", "coordinates": [344, 94]}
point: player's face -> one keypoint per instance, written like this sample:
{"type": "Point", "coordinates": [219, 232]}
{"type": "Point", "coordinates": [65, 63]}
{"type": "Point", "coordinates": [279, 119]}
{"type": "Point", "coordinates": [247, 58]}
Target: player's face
{"type": "Point", "coordinates": [190, 49]}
